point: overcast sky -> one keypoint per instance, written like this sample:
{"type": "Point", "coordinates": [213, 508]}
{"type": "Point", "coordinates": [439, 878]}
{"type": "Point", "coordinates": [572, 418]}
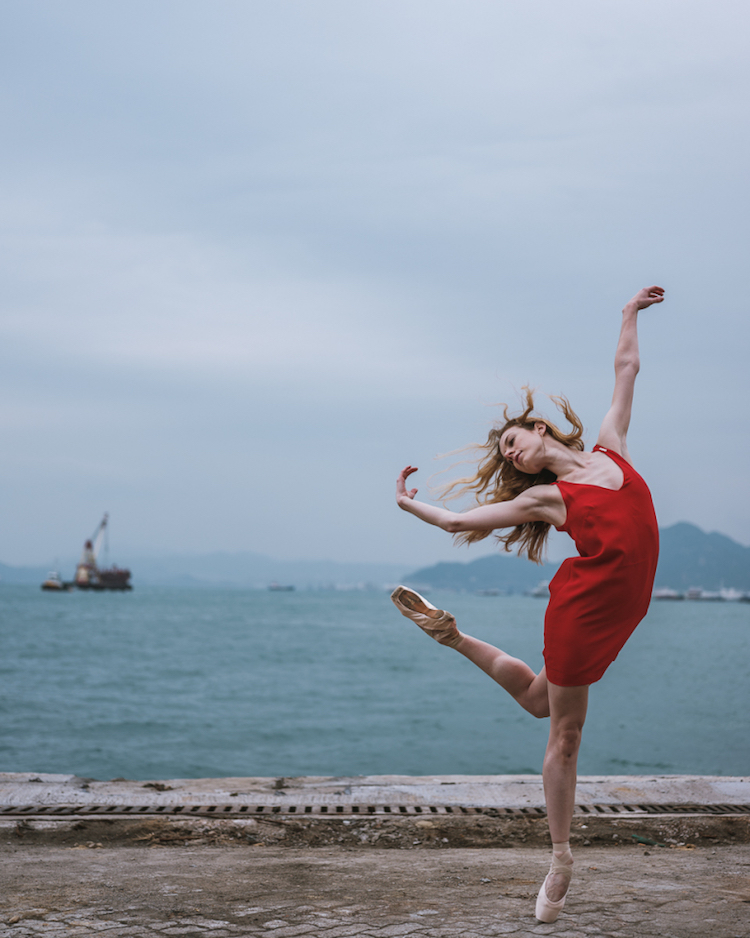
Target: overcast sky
{"type": "Point", "coordinates": [259, 255]}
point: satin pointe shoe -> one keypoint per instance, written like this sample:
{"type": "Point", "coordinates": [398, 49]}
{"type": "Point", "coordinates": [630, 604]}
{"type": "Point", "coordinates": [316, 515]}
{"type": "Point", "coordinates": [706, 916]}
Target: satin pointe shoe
{"type": "Point", "coordinates": [437, 623]}
{"type": "Point", "coordinates": [547, 910]}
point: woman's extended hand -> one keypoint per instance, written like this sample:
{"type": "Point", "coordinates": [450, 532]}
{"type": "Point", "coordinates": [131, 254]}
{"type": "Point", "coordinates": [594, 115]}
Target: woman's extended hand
{"type": "Point", "coordinates": [401, 490]}
{"type": "Point", "coordinates": [647, 297]}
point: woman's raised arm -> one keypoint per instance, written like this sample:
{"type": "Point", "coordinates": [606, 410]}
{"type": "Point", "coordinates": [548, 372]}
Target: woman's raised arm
{"type": "Point", "coordinates": [614, 429]}
{"type": "Point", "coordinates": [538, 503]}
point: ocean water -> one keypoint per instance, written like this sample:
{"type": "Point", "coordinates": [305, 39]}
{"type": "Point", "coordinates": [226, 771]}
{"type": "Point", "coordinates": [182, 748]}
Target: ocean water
{"type": "Point", "coordinates": [164, 683]}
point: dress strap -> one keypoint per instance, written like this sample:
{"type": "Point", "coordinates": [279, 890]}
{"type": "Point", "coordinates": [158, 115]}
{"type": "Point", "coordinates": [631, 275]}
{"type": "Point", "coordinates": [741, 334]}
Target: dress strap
{"type": "Point", "coordinates": [615, 457]}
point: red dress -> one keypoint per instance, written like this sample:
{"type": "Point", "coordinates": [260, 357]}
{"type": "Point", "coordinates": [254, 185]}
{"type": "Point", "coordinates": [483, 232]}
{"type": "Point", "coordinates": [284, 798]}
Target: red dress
{"type": "Point", "coordinates": [598, 598]}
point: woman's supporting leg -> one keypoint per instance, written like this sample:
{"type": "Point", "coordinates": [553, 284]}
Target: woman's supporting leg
{"type": "Point", "coordinates": [567, 715]}
{"type": "Point", "coordinates": [512, 674]}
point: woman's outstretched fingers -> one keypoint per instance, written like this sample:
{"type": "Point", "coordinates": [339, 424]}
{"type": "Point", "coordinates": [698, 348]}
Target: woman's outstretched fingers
{"type": "Point", "coordinates": [401, 490]}
{"type": "Point", "coordinates": [648, 296]}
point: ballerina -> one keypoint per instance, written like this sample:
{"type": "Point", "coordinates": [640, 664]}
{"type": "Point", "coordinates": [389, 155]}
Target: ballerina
{"type": "Point", "coordinates": [531, 477]}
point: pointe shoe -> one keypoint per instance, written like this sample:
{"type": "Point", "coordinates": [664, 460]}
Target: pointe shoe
{"type": "Point", "coordinates": [547, 910]}
{"type": "Point", "coordinates": [437, 623]}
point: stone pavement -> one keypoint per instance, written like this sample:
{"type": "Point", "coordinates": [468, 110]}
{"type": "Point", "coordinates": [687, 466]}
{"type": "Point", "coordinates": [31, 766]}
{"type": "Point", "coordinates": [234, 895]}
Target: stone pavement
{"type": "Point", "coordinates": [141, 892]}
{"type": "Point", "coordinates": [435, 874]}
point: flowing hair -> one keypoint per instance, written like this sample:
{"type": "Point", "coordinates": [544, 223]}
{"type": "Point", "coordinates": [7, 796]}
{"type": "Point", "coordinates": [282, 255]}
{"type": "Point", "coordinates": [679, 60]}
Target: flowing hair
{"type": "Point", "coordinates": [498, 480]}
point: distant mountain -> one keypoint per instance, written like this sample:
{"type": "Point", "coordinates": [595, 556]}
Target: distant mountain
{"type": "Point", "coordinates": [241, 569]}
{"type": "Point", "coordinates": [498, 571]}
{"type": "Point", "coordinates": [19, 575]}
{"type": "Point", "coordinates": [258, 571]}
{"type": "Point", "coordinates": [689, 557]}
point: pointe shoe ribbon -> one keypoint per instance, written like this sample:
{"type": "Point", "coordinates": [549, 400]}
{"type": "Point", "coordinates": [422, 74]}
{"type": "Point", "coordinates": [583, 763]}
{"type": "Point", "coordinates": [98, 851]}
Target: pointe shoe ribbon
{"type": "Point", "coordinates": [548, 909]}
{"type": "Point", "coordinates": [437, 623]}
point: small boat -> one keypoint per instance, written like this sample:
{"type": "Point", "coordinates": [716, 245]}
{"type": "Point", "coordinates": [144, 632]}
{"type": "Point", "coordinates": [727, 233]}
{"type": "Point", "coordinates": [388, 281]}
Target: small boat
{"type": "Point", "coordinates": [665, 592]}
{"type": "Point", "coordinates": [696, 593]}
{"type": "Point", "coordinates": [54, 583]}
{"type": "Point", "coordinates": [540, 591]}
{"type": "Point", "coordinates": [732, 595]}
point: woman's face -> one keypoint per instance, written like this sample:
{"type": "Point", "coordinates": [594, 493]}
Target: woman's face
{"type": "Point", "coordinates": [524, 447]}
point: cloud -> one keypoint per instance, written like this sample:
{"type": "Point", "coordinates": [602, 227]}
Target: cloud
{"type": "Point", "coordinates": [247, 247]}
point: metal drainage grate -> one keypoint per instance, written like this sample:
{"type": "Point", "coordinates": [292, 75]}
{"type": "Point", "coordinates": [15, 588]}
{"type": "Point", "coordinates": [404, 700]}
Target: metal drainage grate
{"type": "Point", "coordinates": [682, 808]}
{"type": "Point", "coordinates": [349, 810]}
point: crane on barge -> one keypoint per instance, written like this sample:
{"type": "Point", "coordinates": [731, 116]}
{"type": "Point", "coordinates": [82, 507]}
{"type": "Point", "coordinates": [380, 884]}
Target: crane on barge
{"type": "Point", "coordinates": [89, 576]}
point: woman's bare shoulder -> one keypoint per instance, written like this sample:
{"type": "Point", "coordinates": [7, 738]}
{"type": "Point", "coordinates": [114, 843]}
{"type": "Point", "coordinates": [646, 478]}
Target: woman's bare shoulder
{"type": "Point", "coordinates": [547, 503]}
{"type": "Point", "coordinates": [609, 440]}
{"type": "Point", "coordinates": [542, 494]}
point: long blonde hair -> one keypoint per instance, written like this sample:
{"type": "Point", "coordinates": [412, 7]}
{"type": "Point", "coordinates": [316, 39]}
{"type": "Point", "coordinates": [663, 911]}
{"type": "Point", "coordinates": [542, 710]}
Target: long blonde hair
{"type": "Point", "coordinates": [498, 480]}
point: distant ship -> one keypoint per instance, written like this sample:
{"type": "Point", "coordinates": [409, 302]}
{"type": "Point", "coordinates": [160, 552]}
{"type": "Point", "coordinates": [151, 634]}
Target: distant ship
{"type": "Point", "coordinates": [280, 588]}
{"type": "Point", "coordinates": [697, 593]}
{"type": "Point", "coordinates": [665, 592]}
{"type": "Point", "coordinates": [54, 583]}
{"type": "Point", "coordinates": [89, 575]}
{"type": "Point", "coordinates": [541, 590]}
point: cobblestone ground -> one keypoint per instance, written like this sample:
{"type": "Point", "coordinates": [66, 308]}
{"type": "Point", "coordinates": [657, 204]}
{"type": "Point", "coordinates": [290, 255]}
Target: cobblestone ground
{"type": "Point", "coordinates": [623, 892]}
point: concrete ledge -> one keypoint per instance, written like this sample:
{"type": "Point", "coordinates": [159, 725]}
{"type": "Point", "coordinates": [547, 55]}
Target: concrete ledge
{"type": "Point", "coordinates": [511, 791]}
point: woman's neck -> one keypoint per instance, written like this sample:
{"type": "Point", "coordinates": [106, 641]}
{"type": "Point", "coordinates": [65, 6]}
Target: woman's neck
{"type": "Point", "coordinates": [564, 461]}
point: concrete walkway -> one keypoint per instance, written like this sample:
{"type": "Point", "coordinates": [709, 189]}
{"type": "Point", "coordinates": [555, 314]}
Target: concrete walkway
{"type": "Point", "coordinates": [432, 875]}
{"type": "Point", "coordinates": [628, 892]}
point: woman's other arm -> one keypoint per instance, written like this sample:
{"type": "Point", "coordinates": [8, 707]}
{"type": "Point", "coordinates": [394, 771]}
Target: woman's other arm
{"type": "Point", "coordinates": [614, 429]}
{"type": "Point", "coordinates": [539, 503]}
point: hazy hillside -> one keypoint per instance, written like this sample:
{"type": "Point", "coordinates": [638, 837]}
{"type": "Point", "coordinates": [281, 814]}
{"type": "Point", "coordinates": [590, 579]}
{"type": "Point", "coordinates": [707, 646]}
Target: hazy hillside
{"type": "Point", "coordinates": [256, 570]}
{"type": "Point", "coordinates": [689, 557]}
{"type": "Point", "coordinates": [20, 575]}
{"type": "Point", "coordinates": [498, 571]}
{"type": "Point", "coordinates": [242, 569]}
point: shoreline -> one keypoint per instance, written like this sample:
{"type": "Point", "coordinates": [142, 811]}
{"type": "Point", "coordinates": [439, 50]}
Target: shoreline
{"type": "Point", "coordinates": [393, 811]}
{"type": "Point", "coordinates": [471, 791]}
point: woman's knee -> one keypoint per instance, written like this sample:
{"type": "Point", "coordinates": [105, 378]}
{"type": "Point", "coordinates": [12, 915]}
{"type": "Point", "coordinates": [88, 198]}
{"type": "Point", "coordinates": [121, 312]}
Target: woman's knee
{"type": "Point", "coordinates": [566, 738]}
{"type": "Point", "coordinates": [538, 709]}
{"type": "Point", "coordinates": [535, 701]}
{"type": "Point", "coordinates": [535, 698]}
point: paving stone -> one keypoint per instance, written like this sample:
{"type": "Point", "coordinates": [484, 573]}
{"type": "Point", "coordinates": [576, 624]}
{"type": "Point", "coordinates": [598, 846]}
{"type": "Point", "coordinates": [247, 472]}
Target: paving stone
{"type": "Point", "coordinates": [293, 930]}
{"type": "Point", "coordinates": [345, 893]}
{"type": "Point", "coordinates": [395, 931]}
{"type": "Point", "coordinates": [342, 931]}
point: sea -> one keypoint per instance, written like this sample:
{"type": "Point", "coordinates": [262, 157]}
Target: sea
{"type": "Point", "coordinates": [166, 683]}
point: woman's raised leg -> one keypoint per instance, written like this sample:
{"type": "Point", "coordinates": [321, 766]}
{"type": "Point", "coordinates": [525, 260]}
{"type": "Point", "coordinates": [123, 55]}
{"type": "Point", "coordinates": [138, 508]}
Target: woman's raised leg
{"type": "Point", "coordinates": [512, 674]}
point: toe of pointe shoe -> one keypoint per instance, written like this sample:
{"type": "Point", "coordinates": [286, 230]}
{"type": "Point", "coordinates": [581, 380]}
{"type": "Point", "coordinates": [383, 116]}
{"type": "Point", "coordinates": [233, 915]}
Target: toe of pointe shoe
{"type": "Point", "coordinates": [547, 910]}
{"type": "Point", "coordinates": [410, 603]}
{"type": "Point", "coordinates": [437, 623]}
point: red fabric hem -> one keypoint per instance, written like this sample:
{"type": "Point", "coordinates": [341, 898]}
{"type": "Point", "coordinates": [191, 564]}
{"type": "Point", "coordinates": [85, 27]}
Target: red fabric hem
{"type": "Point", "coordinates": [578, 680]}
